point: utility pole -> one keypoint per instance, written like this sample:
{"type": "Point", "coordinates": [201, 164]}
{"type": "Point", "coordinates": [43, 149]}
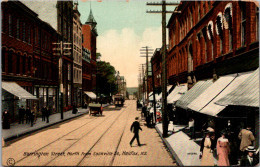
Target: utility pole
{"type": "Point", "coordinates": [146, 49]}
{"type": "Point", "coordinates": [154, 103]}
{"type": "Point", "coordinates": [62, 49]}
{"type": "Point", "coordinates": [164, 74]}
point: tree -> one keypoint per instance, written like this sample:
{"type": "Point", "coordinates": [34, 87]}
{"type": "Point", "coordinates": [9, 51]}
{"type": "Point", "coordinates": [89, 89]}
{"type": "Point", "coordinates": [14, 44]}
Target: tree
{"type": "Point", "coordinates": [106, 79]}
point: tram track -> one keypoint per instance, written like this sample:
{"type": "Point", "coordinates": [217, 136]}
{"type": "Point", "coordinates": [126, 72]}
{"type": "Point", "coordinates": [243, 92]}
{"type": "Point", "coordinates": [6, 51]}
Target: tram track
{"type": "Point", "coordinates": [117, 146]}
{"type": "Point", "coordinates": [63, 136]}
{"type": "Point", "coordinates": [46, 164]}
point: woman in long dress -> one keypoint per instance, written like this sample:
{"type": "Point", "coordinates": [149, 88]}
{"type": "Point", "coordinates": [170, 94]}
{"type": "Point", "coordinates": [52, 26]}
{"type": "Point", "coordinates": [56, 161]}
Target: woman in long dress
{"type": "Point", "coordinates": [223, 150]}
{"type": "Point", "coordinates": [206, 149]}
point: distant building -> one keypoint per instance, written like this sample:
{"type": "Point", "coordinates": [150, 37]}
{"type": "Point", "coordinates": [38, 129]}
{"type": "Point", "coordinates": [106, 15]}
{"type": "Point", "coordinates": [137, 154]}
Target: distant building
{"type": "Point", "coordinates": [89, 64]}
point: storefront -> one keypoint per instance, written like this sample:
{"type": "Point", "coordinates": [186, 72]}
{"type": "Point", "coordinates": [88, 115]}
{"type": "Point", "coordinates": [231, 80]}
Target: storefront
{"type": "Point", "coordinates": [13, 97]}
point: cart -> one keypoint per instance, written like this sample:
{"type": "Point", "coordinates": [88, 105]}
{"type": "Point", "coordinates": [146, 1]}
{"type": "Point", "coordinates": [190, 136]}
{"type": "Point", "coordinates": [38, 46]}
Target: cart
{"type": "Point", "coordinates": [95, 109]}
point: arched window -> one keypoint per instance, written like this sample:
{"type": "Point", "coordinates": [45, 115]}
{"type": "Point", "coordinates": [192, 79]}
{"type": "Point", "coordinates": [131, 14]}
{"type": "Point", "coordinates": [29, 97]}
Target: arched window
{"type": "Point", "coordinates": [219, 30]}
{"type": "Point", "coordinates": [3, 59]}
{"type": "Point", "coordinates": [18, 29]}
{"type": "Point", "coordinates": [29, 65]}
{"type": "Point", "coordinates": [18, 56]}
{"type": "Point", "coordinates": [204, 31]}
{"type": "Point", "coordinates": [257, 23]}
{"type": "Point", "coordinates": [24, 64]}
{"type": "Point", "coordinates": [10, 61]}
{"type": "Point", "coordinates": [243, 23]}
{"type": "Point", "coordinates": [190, 58]}
{"type": "Point", "coordinates": [10, 26]}
{"type": "Point", "coordinates": [228, 24]}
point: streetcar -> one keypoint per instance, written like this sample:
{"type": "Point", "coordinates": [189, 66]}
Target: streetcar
{"type": "Point", "coordinates": [119, 100]}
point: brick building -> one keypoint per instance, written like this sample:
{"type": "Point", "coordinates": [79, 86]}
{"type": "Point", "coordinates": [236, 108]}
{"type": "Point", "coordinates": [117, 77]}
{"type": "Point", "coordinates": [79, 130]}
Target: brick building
{"type": "Point", "coordinates": [27, 57]}
{"type": "Point", "coordinates": [65, 30]}
{"type": "Point", "coordinates": [212, 37]}
{"type": "Point", "coordinates": [89, 64]}
{"type": "Point", "coordinates": [156, 62]}
{"type": "Point", "coordinates": [77, 56]}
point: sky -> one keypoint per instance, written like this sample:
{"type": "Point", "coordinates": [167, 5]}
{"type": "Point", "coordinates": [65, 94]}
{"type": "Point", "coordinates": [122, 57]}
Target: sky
{"type": "Point", "coordinates": [124, 28]}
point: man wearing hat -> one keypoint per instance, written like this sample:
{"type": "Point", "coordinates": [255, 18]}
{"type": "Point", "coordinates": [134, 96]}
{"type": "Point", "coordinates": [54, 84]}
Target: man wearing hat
{"type": "Point", "coordinates": [250, 159]}
{"type": "Point", "coordinates": [135, 128]}
{"type": "Point", "coordinates": [246, 137]}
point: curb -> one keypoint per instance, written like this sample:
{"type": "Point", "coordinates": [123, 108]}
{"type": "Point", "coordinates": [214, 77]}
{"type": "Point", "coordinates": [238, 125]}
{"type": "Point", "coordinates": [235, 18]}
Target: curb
{"type": "Point", "coordinates": [34, 130]}
{"type": "Point", "coordinates": [172, 152]}
{"type": "Point", "coordinates": [48, 125]}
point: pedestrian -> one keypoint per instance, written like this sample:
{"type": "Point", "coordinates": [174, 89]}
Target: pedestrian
{"type": "Point", "coordinates": [27, 114]}
{"type": "Point", "coordinates": [223, 150]}
{"type": "Point", "coordinates": [44, 113]}
{"type": "Point", "coordinates": [250, 159]}
{"type": "Point", "coordinates": [74, 109]}
{"type": "Point", "coordinates": [191, 128]}
{"type": "Point", "coordinates": [206, 150]}
{"type": "Point", "coordinates": [135, 129]}
{"type": "Point", "coordinates": [32, 117]}
{"type": "Point", "coordinates": [148, 119]}
{"type": "Point", "coordinates": [6, 122]}
{"type": "Point", "coordinates": [35, 113]}
{"type": "Point", "coordinates": [247, 138]}
{"type": "Point", "coordinates": [48, 112]}
{"type": "Point", "coordinates": [21, 115]}
{"type": "Point", "coordinates": [144, 108]}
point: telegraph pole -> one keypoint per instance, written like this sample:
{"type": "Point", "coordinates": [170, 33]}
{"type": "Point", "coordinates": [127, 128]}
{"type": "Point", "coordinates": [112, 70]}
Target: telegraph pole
{"type": "Point", "coordinates": [146, 49]}
{"type": "Point", "coordinates": [62, 49]}
{"type": "Point", "coordinates": [164, 74]}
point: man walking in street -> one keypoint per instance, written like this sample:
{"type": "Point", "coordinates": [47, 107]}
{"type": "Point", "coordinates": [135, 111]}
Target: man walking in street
{"type": "Point", "coordinates": [21, 115]}
{"type": "Point", "coordinates": [191, 128]}
{"type": "Point", "coordinates": [135, 128]}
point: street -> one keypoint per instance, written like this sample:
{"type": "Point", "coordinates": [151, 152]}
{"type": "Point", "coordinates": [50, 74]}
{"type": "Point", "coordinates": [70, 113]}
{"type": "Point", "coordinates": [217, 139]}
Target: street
{"type": "Point", "coordinates": [90, 141]}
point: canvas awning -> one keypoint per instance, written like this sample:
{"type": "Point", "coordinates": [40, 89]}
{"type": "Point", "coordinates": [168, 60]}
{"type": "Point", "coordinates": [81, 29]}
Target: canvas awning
{"type": "Point", "coordinates": [193, 93]}
{"type": "Point", "coordinates": [177, 92]}
{"type": "Point", "coordinates": [246, 94]}
{"type": "Point", "coordinates": [168, 89]}
{"type": "Point", "coordinates": [91, 95]}
{"type": "Point", "coordinates": [156, 97]}
{"type": "Point", "coordinates": [205, 103]}
{"type": "Point", "coordinates": [17, 90]}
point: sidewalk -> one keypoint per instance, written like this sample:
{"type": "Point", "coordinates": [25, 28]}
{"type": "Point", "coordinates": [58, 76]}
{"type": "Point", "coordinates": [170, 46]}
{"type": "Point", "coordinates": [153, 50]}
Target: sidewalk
{"type": "Point", "coordinates": [17, 130]}
{"type": "Point", "coordinates": [185, 151]}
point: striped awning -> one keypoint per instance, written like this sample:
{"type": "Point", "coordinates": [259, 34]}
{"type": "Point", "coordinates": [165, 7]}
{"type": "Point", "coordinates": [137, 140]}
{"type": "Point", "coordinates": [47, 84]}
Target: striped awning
{"type": "Point", "coordinates": [246, 94]}
{"type": "Point", "coordinates": [91, 95]}
{"type": "Point", "coordinates": [177, 92]}
{"type": "Point", "coordinates": [205, 103]}
{"type": "Point", "coordinates": [193, 93]}
{"type": "Point", "coordinates": [17, 90]}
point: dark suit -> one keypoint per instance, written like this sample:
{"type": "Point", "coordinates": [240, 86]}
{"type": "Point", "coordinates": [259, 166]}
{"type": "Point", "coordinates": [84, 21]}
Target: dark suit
{"type": "Point", "coordinates": [21, 115]}
{"type": "Point", "coordinates": [245, 161]}
{"type": "Point", "coordinates": [135, 128]}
